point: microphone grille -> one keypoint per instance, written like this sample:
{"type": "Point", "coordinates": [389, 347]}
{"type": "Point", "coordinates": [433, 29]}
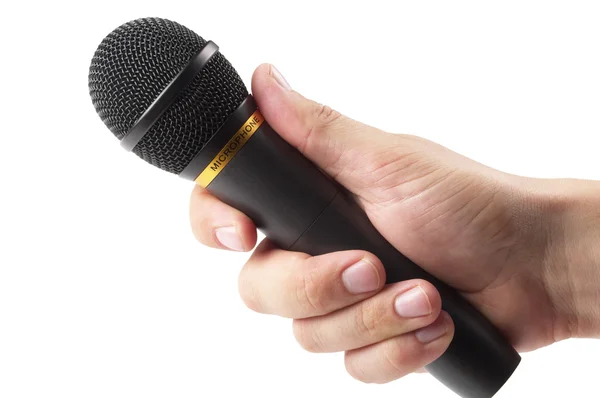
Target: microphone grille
{"type": "Point", "coordinates": [138, 60]}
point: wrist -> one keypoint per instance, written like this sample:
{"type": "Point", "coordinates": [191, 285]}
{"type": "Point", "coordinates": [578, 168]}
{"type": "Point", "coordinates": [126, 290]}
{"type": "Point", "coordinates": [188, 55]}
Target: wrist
{"type": "Point", "coordinates": [570, 213]}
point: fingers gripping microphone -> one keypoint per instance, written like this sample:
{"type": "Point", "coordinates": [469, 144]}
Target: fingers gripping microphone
{"type": "Point", "coordinates": [173, 99]}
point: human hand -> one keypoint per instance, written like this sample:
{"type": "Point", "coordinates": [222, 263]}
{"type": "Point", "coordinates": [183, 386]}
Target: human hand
{"type": "Point", "coordinates": [520, 249]}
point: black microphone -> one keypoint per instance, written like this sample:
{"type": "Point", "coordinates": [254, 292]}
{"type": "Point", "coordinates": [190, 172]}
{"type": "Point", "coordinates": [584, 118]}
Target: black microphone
{"type": "Point", "coordinates": [175, 101]}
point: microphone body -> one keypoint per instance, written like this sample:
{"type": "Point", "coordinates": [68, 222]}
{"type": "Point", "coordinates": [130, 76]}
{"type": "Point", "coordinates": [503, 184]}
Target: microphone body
{"type": "Point", "coordinates": [301, 209]}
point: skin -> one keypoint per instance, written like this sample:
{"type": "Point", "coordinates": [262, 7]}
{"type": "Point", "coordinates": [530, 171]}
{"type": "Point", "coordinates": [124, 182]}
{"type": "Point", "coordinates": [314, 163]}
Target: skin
{"type": "Point", "coordinates": [524, 251]}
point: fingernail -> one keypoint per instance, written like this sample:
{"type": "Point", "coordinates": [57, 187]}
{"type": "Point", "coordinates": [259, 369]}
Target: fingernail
{"type": "Point", "coordinates": [280, 79]}
{"type": "Point", "coordinates": [361, 277]}
{"type": "Point", "coordinates": [229, 238]}
{"type": "Point", "coordinates": [413, 303]}
{"type": "Point", "coordinates": [433, 332]}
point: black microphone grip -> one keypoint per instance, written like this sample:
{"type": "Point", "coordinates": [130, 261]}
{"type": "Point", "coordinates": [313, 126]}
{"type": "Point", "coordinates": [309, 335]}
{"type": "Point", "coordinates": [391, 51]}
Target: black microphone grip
{"type": "Point", "coordinates": [301, 209]}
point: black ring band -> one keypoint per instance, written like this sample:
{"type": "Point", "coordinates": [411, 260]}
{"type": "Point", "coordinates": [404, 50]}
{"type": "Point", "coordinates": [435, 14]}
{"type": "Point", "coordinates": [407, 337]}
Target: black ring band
{"type": "Point", "coordinates": [167, 96]}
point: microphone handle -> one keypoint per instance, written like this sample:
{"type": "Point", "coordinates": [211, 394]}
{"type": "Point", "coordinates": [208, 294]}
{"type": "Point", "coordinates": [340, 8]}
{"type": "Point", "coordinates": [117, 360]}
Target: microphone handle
{"type": "Point", "coordinates": [301, 209]}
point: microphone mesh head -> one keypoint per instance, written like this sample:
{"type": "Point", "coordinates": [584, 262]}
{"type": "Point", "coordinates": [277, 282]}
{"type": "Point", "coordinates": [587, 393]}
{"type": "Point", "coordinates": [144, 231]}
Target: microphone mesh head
{"type": "Point", "coordinates": [138, 60]}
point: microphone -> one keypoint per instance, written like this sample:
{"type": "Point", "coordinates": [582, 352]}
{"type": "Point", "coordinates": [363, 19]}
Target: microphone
{"type": "Point", "coordinates": [173, 99]}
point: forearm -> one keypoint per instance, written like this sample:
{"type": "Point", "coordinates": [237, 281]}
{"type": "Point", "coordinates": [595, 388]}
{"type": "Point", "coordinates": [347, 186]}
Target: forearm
{"type": "Point", "coordinates": [572, 260]}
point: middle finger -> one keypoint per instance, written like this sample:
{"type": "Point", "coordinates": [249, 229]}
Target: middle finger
{"type": "Point", "coordinates": [398, 309]}
{"type": "Point", "coordinates": [297, 285]}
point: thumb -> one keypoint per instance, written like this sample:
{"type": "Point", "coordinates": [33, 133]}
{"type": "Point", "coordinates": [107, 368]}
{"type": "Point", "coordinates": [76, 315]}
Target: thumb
{"type": "Point", "coordinates": [351, 152]}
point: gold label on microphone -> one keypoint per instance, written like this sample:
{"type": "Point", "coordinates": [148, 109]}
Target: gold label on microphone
{"type": "Point", "coordinates": [236, 143]}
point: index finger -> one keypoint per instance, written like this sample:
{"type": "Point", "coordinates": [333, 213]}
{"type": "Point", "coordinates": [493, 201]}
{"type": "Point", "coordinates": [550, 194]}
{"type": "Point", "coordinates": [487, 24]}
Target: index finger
{"type": "Point", "coordinates": [219, 225]}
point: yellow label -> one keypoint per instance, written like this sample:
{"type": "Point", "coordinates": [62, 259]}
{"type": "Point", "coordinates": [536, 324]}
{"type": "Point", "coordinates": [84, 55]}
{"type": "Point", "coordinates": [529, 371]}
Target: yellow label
{"type": "Point", "coordinates": [234, 145]}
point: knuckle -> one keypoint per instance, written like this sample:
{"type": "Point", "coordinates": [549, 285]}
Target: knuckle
{"type": "Point", "coordinates": [393, 354]}
{"type": "Point", "coordinates": [248, 294]}
{"type": "Point", "coordinates": [306, 336]}
{"type": "Point", "coordinates": [369, 316]}
{"type": "Point", "coordinates": [201, 229]}
{"type": "Point", "coordinates": [354, 369]}
{"type": "Point", "coordinates": [325, 115]}
{"type": "Point", "coordinates": [309, 293]}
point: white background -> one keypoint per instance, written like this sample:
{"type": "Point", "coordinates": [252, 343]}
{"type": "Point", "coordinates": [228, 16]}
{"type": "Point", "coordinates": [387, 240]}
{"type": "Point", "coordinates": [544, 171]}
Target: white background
{"type": "Point", "coordinates": [103, 290]}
